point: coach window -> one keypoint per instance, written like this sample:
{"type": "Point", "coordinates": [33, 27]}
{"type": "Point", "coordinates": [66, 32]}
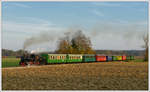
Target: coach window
{"type": "Point", "coordinates": [64, 57]}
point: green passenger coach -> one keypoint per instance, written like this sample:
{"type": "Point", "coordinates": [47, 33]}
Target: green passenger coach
{"type": "Point", "coordinates": [74, 58]}
{"type": "Point", "coordinates": [55, 58]}
{"type": "Point", "coordinates": [89, 58]}
{"type": "Point", "coordinates": [62, 58]}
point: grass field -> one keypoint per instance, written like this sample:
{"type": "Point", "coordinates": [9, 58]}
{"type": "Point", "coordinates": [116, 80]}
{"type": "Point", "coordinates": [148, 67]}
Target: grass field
{"type": "Point", "coordinates": [10, 62]}
{"type": "Point", "coordinates": [80, 76]}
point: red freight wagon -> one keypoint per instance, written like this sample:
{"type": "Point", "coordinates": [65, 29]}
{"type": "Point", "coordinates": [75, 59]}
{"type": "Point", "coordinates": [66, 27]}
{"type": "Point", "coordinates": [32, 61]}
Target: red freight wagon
{"type": "Point", "coordinates": [100, 58]}
{"type": "Point", "coordinates": [124, 57]}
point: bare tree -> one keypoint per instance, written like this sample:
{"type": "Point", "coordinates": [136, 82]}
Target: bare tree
{"type": "Point", "coordinates": [146, 46]}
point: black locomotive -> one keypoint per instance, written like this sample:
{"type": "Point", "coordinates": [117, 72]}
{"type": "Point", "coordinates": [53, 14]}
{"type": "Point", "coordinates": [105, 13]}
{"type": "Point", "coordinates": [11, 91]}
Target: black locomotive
{"type": "Point", "coordinates": [32, 59]}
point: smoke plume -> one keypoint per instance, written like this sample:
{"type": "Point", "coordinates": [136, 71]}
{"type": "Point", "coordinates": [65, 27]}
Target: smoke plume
{"type": "Point", "coordinates": [40, 38]}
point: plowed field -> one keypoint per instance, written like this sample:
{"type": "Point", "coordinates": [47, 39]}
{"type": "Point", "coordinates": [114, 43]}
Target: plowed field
{"type": "Point", "coordinates": [81, 76]}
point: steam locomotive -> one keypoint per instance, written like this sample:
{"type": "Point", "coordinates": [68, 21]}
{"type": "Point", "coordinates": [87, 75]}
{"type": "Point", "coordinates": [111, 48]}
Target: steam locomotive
{"type": "Point", "coordinates": [32, 59]}
{"type": "Point", "coordinates": [43, 59]}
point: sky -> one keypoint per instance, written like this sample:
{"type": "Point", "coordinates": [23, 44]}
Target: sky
{"type": "Point", "coordinates": [109, 25]}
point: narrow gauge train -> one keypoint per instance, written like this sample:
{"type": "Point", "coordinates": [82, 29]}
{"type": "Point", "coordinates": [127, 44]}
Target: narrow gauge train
{"type": "Point", "coordinates": [44, 59]}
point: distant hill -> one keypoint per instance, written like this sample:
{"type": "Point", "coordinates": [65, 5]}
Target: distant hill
{"type": "Point", "coordinates": [6, 52]}
{"type": "Point", "coordinates": [121, 52]}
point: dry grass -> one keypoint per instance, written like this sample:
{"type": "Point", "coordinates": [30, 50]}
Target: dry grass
{"type": "Point", "coordinates": [81, 76]}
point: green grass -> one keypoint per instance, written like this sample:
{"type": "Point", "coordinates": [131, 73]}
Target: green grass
{"type": "Point", "coordinates": [10, 62]}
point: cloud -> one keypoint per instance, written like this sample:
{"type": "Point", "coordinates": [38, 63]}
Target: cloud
{"type": "Point", "coordinates": [98, 13]}
{"type": "Point", "coordinates": [107, 4]}
{"type": "Point", "coordinates": [29, 25]}
{"type": "Point", "coordinates": [20, 5]}
{"type": "Point", "coordinates": [118, 35]}
{"type": "Point", "coordinates": [143, 10]}
{"type": "Point", "coordinates": [18, 31]}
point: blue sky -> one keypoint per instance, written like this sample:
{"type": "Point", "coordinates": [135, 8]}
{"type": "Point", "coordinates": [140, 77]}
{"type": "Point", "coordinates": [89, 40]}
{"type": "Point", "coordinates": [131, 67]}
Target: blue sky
{"type": "Point", "coordinates": [21, 20]}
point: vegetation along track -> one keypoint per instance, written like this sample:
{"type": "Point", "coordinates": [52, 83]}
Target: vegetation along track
{"type": "Point", "coordinates": [82, 76]}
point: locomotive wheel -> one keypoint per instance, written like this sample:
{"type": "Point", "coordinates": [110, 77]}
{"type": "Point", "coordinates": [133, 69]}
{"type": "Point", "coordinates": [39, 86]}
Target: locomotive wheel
{"type": "Point", "coordinates": [22, 64]}
{"type": "Point", "coordinates": [37, 63]}
{"type": "Point", "coordinates": [31, 63]}
{"type": "Point", "coordinates": [43, 62]}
